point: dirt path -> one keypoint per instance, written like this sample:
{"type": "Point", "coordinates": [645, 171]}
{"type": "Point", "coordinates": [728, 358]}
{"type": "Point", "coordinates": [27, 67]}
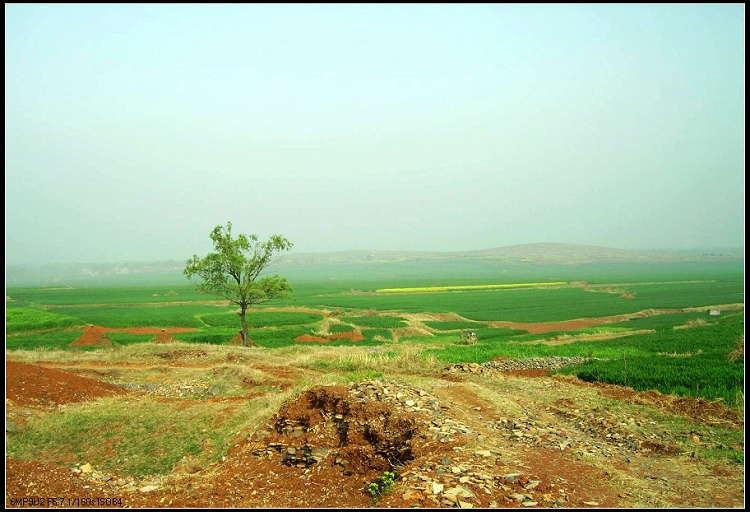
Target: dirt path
{"type": "Point", "coordinates": [610, 477]}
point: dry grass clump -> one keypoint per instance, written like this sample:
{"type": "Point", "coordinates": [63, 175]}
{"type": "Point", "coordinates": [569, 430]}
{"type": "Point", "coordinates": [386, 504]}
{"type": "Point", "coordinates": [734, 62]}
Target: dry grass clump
{"type": "Point", "coordinates": [698, 322]}
{"type": "Point", "coordinates": [739, 350]}
{"type": "Point", "coordinates": [234, 374]}
{"type": "Point", "coordinates": [405, 360]}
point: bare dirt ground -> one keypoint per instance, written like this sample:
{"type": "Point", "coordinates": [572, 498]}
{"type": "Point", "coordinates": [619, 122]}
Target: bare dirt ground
{"type": "Point", "coordinates": [506, 440]}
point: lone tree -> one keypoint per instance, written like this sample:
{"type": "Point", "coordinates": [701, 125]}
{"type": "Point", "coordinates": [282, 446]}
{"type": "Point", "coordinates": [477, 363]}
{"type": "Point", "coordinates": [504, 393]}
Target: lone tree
{"type": "Point", "coordinates": [234, 271]}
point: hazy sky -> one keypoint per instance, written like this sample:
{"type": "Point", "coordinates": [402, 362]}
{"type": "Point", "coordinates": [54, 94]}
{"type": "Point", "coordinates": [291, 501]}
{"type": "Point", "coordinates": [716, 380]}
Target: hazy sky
{"type": "Point", "coordinates": [132, 130]}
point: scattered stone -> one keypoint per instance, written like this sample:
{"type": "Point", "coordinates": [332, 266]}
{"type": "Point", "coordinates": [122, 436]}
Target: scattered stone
{"type": "Point", "coordinates": [507, 365]}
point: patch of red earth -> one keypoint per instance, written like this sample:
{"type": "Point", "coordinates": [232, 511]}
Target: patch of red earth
{"type": "Point", "coordinates": [96, 336]}
{"type": "Point", "coordinates": [351, 336]}
{"type": "Point", "coordinates": [29, 384]}
{"type": "Point", "coordinates": [306, 338]}
{"type": "Point", "coordinates": [579, 480]}
{"type": "Point", "coordinates": [22, 478]}
{"type": "Point", "coordinates": [527, 373]}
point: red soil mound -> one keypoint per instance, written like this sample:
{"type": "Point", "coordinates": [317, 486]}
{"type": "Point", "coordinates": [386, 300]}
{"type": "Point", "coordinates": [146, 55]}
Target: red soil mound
{"type": "Point", "coordinates": [30, 384]}
{"type": "Point", "coordinates": [96, 336]}
{"type": "Point", "coordinates": [308, 338]}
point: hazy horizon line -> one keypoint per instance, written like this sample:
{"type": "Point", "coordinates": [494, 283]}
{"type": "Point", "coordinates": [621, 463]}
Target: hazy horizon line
{"type": "Point", "coordinates": [712, 249]}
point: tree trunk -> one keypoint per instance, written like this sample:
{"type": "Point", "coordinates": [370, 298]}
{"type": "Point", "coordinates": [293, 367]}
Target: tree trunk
{"type": "Point", "coordinates": [245, 335]}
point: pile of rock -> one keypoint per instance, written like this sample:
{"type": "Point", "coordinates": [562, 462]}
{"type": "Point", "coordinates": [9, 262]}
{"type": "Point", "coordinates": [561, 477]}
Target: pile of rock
{"type": "Point", "coordinates": [410, 400]}
{"type": "Point", "coordinates": [507, 365]}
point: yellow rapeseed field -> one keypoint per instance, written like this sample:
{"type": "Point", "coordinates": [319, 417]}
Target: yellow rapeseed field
{"type": "Point", "coordinates": [466, 287]}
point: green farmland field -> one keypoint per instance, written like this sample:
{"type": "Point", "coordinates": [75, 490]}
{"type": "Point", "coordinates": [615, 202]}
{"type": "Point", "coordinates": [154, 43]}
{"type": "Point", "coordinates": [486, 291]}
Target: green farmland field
{"type": "Point", "coordinates": [652, 309]}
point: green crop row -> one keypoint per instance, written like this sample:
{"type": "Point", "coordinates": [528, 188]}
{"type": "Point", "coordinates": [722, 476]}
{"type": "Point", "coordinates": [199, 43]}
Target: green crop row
{"type": "Point", "coordinates": [125, 316]}
{"type": "Point", "coordinates": [687, 352]}
{"type": "Point", "coordinates": [541, 304]}
{"type": "Point", "coordinates": [689, 362]}
{"type": "Point", "coordinates": [261, 319]}
{"type": "Point", "coordinates": [56, 340]}
{"type": "Point", "coordinates": [27, 320]}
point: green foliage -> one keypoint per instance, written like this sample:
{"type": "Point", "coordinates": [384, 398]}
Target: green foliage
{"type": "Point", "coordinates": [363, 375]}
{"type": "Point", "coordinates": [738, 456]}
{"type": "Point", "coordinates": [234, 270]}
{"type": "Point", "coordinates": [382, 486]}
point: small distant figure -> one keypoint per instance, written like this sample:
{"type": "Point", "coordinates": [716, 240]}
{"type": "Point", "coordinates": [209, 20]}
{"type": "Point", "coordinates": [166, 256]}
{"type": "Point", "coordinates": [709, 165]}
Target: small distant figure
{"type": "Point", "coordinates": [468, 338]}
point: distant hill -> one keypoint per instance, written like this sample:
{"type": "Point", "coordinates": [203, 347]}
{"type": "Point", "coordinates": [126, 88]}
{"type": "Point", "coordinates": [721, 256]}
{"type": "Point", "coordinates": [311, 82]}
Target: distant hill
{"type": "Point", "coordinates": [99, 273]}
{"type": "Point", "coordinates": [540, 253]}
{"type": "Point", "coordinates": [131, 273]}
